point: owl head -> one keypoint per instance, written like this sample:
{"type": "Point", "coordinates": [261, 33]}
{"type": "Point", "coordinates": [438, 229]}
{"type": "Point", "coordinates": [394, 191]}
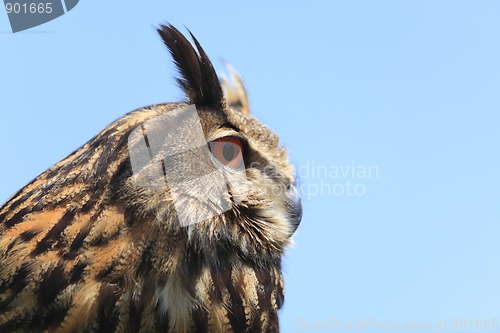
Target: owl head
{"type": "Point", "coordinates": [207, 166]}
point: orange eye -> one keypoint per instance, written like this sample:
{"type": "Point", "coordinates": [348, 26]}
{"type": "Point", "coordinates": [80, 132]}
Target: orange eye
{"type": "Point", "coordinates": [229, 151]}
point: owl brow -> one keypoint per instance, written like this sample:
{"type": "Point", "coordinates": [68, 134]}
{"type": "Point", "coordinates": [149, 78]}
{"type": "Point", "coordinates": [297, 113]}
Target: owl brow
{"type": "Point", "coordinates": [227, 125]}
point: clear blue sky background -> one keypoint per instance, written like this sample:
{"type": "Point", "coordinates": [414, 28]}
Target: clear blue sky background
{"type": "Point", "coordinates": [410, 87]}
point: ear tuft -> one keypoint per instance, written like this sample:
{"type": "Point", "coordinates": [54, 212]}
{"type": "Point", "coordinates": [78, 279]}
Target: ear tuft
{"type": "Point", "coordinates": [197, 77]}
{"type": "Point", "coordinates": [235, 92]}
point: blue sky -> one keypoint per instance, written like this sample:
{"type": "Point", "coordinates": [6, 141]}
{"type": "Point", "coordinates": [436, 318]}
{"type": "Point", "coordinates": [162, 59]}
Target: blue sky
{"type": "Point", "coordinates": [410, 88]}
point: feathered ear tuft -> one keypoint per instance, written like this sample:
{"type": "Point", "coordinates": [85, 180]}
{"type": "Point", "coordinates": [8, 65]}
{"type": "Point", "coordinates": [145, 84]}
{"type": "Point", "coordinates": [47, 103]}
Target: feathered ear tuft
{"type": "Point", "coordinates": [235, 92]}
{"type": "Point", "coordinates": [197, 78]}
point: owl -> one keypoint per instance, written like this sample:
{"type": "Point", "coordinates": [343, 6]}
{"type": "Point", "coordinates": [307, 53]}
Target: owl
{"type": "Point", "coordinates": [174, 218]}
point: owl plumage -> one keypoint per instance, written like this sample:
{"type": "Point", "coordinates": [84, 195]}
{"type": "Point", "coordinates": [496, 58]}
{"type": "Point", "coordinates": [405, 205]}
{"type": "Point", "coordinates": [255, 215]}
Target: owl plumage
{"type": "Point", "coordinates": [85, 248]}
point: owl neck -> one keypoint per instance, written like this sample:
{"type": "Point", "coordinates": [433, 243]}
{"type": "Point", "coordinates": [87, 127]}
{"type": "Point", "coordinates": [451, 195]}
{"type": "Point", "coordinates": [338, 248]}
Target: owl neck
{"type": "Point", "coordinates": [221, 296]}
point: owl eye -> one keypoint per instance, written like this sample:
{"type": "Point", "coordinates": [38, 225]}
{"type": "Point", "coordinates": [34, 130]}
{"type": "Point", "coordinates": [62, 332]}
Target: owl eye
{"type": "Point", "coordinates": [229, 151]}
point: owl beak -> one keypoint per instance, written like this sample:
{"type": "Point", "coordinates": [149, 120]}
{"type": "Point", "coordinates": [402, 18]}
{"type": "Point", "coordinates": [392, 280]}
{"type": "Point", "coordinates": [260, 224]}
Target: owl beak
{"type": "Point", "coordinates": [294, 207]}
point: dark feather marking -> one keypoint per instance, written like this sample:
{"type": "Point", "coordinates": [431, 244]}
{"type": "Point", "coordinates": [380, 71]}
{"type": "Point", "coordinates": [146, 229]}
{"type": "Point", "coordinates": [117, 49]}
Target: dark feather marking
{"type": "Point", "coordinates": [112, 153]}
{"type": "Point", "coordinates": [20, 200]}
{"type": "Point", "coordinates": [14, 197]}
{"type": "Point", "coordinates": [221, 276]}
{"type": "Point", "coordinates": [200, 320]}
{"type": "Point", "coordinates": [102, 165]}
{"type": "Point", "coordinates": [146, 262]}
{"type": "Point", "coordinates": [137, 308]}
{"type": "Point", "coordinates": [255, 325]}
{"type": "Point", "coordinates": [264, 293]}
{"type": "Point", "coordinates": [15, 285]}
{"type": "Point", "coordinates": [3, 215]}
{"type": "Point", "coordinates": [280, 295]}
{"type": "Point", "coordinates": [80, 237]}
{"type": "Point", "coordinates": [107, 298]}
{"type": "Point", "coordinates": [28, 235]}
{"type": "Point", "coordinates": [221, 273]}
{"type": "Point", "coordinates": [236, 312]}
{"type": "Point", "coordinates": [77, 271]}
{"type": "Point", "coordinates": [13, 243]}
{"type": "Point", "coordinates": [147, 293]}
{"type": "Point", "coordinates": [97, 193]}
{"type": "Point", "coordinates": [50, 316]}
{"type": "Point", "coordinates": [193, 263]}
{"type": "Point", "coordinates": [10, 326]}
{"type": "Point", "coordinates": [53, 282]}
{"type": "Point", "coordinates": [18, 217]}
{"type": "Point", "coordinates": [161, 320]}
{"type": "Point", "coordinates": [53, 233]}
{"type": "Point", "coordinates": [129, 217]}
{"type": "Point", "coordinates": [103, 239]}
{"type": "Point", "coordinates": [39, 206]}
{"type": "Point", "coordinates": [197, 78]}
{"type": "Point", "coordinates": [123, 172]}
{"type": "Point", "coordinates": [103, 273]}
{"type": "Point", "coordinates": [83, 233]}
{"type": "Point", "coordinates": [273, 322]}
{"type": "Point", "coordinates": [134, 319]}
